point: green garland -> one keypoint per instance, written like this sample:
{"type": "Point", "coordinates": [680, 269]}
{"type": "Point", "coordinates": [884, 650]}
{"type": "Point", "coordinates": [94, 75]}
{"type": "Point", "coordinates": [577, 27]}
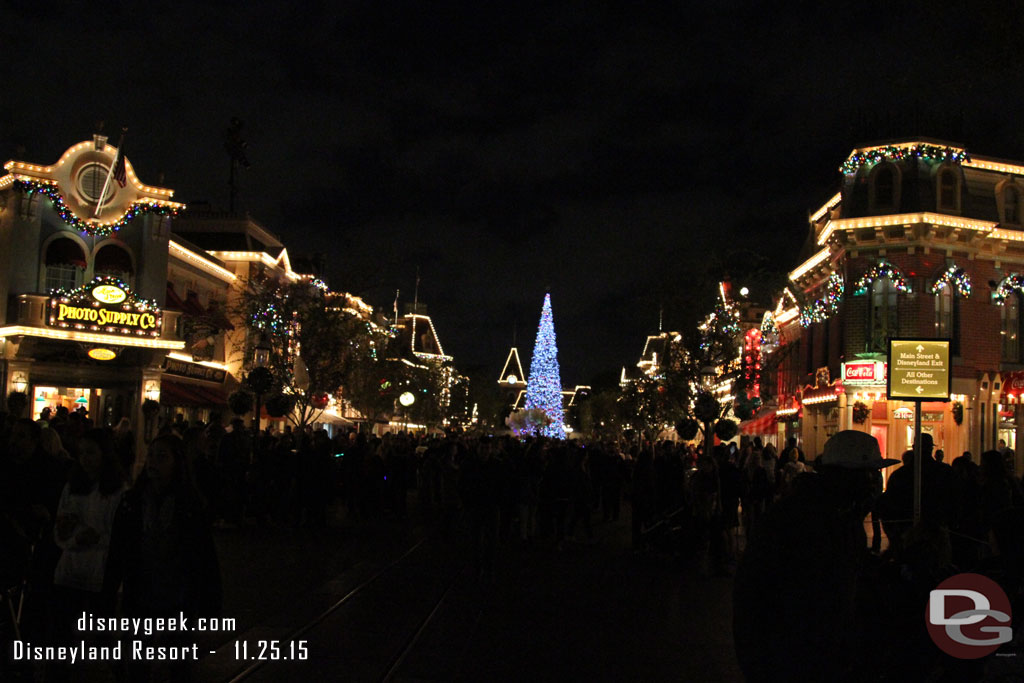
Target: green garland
{"type": "Point", "coordinates": [89, 227]}
{"type": "Point", "coordinates": [894, 153]}
{"type": "Point", "coordinates": [957, 278]}
{"type": "Point", "coordinates": [137, 302]}
{"type": "Point", "coordinates": [826, 307]}
{"type": "Point", "coordinates": [1010, 283]}
{"type": "Point", "coordinates": [880, 271]}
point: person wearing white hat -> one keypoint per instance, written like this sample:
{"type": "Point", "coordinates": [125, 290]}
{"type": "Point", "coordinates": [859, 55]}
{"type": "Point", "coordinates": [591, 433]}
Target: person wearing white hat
{"type": "Point", "coordinates": [797, 581]}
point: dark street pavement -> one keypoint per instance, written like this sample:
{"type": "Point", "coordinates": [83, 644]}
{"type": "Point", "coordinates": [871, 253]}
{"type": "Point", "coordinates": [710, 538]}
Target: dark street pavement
{"type": "Point", "coordinates": [591, 611]}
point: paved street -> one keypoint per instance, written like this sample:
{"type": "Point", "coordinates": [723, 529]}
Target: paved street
{"type": "Point", "coordinates": [589, 612]}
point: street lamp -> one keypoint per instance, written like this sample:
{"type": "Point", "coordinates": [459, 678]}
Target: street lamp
{"type": "Point", "coordinates": [407, 399]}
{"type": "Point", "coordinates": [19, 382]}
{"type": "Point", "coordinates": [261, 354]}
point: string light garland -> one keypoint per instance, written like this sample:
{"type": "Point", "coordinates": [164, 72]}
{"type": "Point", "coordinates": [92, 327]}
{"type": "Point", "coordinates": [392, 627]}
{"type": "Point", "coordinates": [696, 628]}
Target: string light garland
{"type": "Point", "coordinates": [267, 319]}
{"type": "Point", "coordinates": [91, 228]}
{"type": "Point", "coordinates": [957, 278]}
{"type": "Point", "coordinates": [881, 271]}
{"type": "Point", "coordinates": [86, 289]}
{"type": "Point", "coordinates": [1011, 283]}
{"type": "Point", "coordinates": [768, 326]}
{"type": "Point", "coordinates": [724, 320]}
{"type": "Point", "coordinates": [899, 153]}
{"type": "Point", "coordinates": [826, 307]}
{"type": "Point", "coordinates": [544, 388]}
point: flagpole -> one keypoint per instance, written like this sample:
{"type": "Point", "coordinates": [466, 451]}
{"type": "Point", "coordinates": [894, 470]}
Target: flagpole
{"type": "Point", "coordinates": [110, 174]}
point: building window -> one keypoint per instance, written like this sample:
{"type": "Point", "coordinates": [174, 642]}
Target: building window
{"type": "Point", "coordinates": [948, 191]}
{"type": "Point", "coordinates": [113, 261]}
{"type": "Point", "coordinates": [1011, 205]}
{"type": "Point", "coordinates": [884, 182]}
{"type": "Point", "coordinates": [28, 208]}
{"type": "Point", "coordinates": [1011, 327]}
{"type": "Point", "coordinates": [882, 320]}
{"type": "Point", "coordinates": [947, 317]}
{"type": "Point", "coordinates": [64, 263]}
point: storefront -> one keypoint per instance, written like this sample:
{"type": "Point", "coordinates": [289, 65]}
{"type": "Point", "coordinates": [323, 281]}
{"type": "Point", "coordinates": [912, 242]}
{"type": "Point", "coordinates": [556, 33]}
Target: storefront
{"type": "Point", "coordinates": [821, 408]}
{"type": "Point", "coordinates": [892, 422]}
{"type": "Point", "coordinates": [94, 350]}
{"type": "Point", "coordinates": [195, 390]}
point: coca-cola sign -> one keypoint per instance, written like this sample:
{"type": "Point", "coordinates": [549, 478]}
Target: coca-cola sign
{"type": "Point", "coordinates": [864, 372]}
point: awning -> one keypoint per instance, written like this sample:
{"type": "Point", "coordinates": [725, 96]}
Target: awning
{"type": "Point", "coordinates": [759, 424]}
{"type": "Point", "coordinates": [185, 394]}
{"type": "Point", "coordinates": [65, 252]}
{"type": "Point", "coordinates": [113, 259]}
{"type": "Point", "coordinates": [822, 394]}
{"type": "Point", "coordinates": [334, 418]}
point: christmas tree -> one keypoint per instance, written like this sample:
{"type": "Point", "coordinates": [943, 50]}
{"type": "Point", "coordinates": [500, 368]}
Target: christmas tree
{"type": "Point", "coordinates": [544, 388]}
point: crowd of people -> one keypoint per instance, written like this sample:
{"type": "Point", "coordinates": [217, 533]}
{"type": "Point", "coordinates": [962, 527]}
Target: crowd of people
{"type": "Point", "coordinates": [79, 532]}
{"type": "Point", "coordinates": [815, 601]}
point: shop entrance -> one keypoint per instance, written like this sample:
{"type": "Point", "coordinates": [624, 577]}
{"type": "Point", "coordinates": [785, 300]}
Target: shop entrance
{"type": "Point", "coordinates": [105, 407]}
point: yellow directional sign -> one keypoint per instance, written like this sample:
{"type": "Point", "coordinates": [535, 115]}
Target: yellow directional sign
{"type": "Point", "coordinates": [919, 370]}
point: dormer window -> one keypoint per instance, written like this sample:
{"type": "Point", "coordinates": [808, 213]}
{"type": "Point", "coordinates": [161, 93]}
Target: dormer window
{"type": "Point", "coordinates": [1011, 205]}
{"type": "Point", "coordinates": [948, 190]}
{"type": "Point", "coordinates": [885, 188]}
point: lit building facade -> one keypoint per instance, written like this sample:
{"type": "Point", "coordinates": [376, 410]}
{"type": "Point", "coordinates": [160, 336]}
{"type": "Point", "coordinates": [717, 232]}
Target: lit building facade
{"type": "Point", "coordinates": [922, 240]}
{"type": "Point", "coordinates": [84, 258]}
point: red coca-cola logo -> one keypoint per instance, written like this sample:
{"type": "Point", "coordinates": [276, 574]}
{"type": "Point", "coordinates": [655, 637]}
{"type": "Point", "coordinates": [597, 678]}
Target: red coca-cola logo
{"type": "Point", "coordinates": [866, 371]}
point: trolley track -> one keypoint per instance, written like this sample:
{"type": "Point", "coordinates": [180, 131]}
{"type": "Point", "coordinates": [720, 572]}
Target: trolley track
{"type": "Point", "coordinates": [376, 628]}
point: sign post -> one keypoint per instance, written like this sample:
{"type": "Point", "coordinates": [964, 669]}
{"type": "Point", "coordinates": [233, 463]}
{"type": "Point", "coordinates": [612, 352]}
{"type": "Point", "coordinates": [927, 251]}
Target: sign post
{"type": "Point", "coordinates": [919, 370]}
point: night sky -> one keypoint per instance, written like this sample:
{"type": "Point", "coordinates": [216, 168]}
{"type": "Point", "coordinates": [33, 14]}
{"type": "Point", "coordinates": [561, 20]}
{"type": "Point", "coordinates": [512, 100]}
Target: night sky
{"type": "Point", "coordinates": [624, 155]}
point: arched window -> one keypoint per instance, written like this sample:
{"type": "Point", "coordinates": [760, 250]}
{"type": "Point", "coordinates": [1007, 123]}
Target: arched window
{"type": "Point", "coordinates": [948, 190]}
{"type": "Point", "coordinates": [1011, 205]}
{"type": "Point", "coordinates": [1011, 327]}
{"type": "Point", "coordinates": [114, 261]}
{"type": "Point", "coordinates": [885, 186]}
{"type": "Point", "coordinates": [947, 317]}
{"type": "Point", "coordinates": [64, 263]}
{"type": "Point", "coordinates": [882, 309]}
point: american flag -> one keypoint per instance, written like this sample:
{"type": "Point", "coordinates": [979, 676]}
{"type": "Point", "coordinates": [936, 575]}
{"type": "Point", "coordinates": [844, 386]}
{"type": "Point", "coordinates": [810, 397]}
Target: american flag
{"type": "Point", "coordinates": [120, 173]}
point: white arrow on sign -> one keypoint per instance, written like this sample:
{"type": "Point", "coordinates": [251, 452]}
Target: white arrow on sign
{"type": "Point", "coordinates": [919, 390]}
{"type": "Point", "coordinates": [920, 348]}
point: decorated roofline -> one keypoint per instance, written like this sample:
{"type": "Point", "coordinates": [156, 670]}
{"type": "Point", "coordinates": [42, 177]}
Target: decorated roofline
{"type": "Point", "coordinates": [518, 372]}
{"type": "Point", "coordinates": [42, 172]}
{"type": "Point", "coordinates": [94, 227]}
{"type": "Point", "coordinates": [870, 156]}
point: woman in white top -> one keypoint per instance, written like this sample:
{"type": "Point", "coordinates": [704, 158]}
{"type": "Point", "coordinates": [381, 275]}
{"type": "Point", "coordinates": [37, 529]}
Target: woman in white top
{"type": "Point", "coordinates": [85, 518]}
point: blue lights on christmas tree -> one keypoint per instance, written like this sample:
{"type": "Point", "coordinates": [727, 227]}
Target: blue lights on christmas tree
{"type": "Point", "coordinates": [544, 388]}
